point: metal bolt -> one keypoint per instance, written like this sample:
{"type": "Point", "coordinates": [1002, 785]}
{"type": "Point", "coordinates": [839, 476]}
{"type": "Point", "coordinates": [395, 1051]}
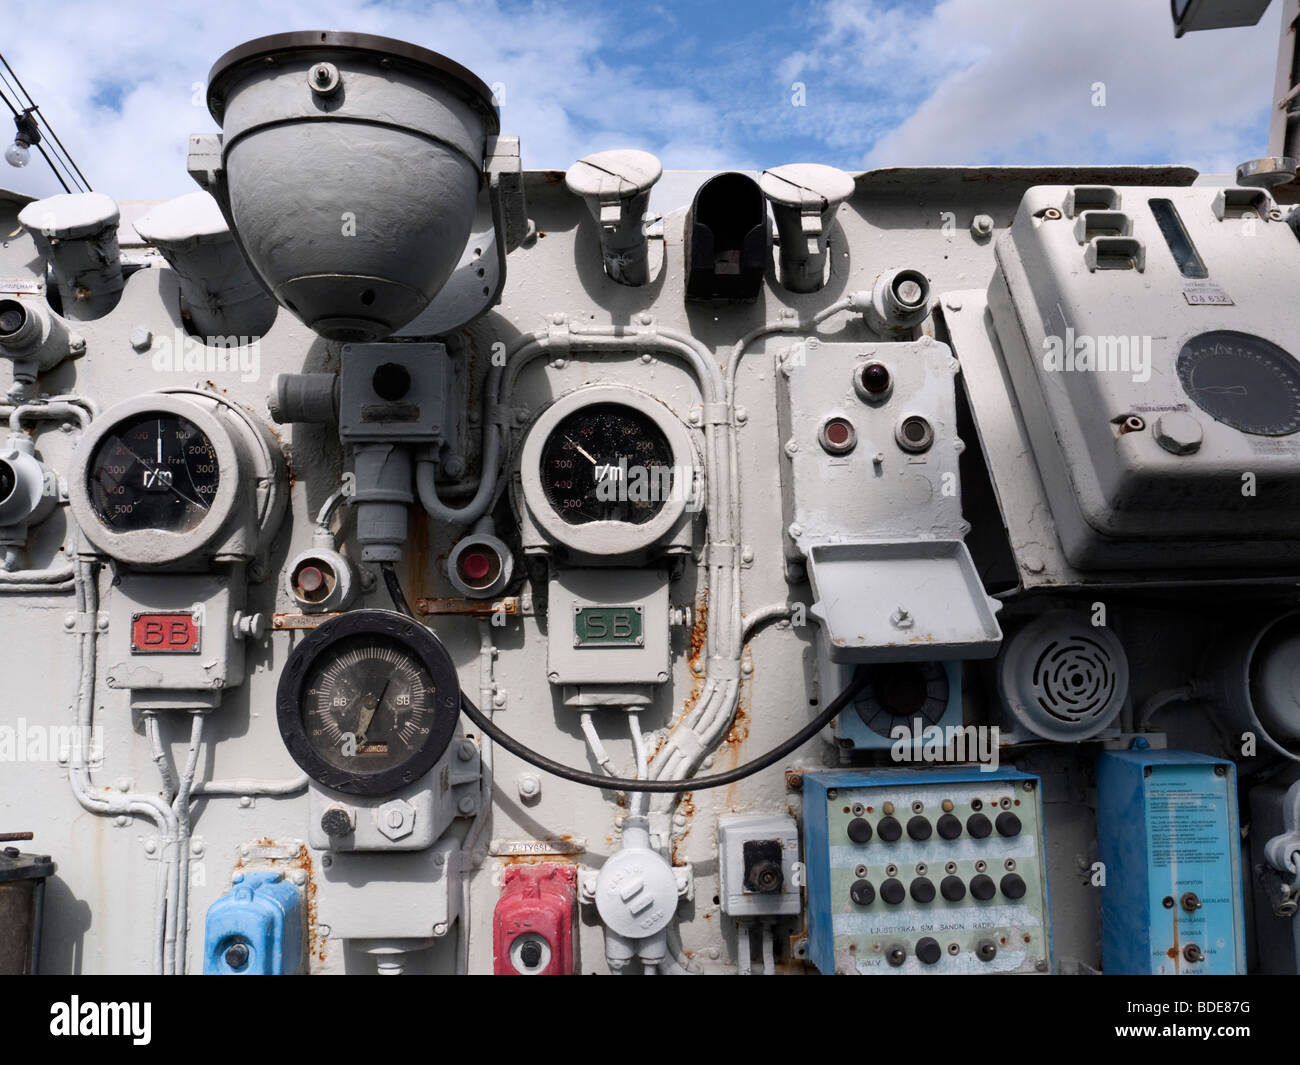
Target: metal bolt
{"type": "Point", "coordinates": [299, 877]}
{"type": "Point", "coordinates": [141, 338]}
{"type": "Point", "coordinates": [466, 805]}
{"type": "Point", "coordinates": [440, 929]}
{"type": "Point", "coordinates": [530, 786]}
{"type": "Point", "coordinates": [465, 752]}
{"type": "Point", "coordinates": [901, 619]}
{"type": "Point", "coordinates": [981, 225]}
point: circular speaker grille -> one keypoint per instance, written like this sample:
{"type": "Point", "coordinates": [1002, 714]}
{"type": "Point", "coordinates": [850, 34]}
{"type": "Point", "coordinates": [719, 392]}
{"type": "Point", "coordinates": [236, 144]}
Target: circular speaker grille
{"type": "Point", "coordinates": [1063, 678]}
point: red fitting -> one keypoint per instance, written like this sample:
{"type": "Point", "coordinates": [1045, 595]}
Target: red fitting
{"type": "Point", "coordinates": [532, 927]}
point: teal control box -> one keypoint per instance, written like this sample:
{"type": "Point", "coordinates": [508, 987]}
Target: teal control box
{"type": "Point", "coordinates": [1169, 840]}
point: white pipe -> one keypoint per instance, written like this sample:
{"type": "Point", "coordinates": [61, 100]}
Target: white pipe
{"type": "Point", "coordinates": [181, 806]}
{"type": "Point", "coordinates": [768, 949]}
{"type": "Point", "coordinates": [598, 751]}
{"type": "Point", "coordinates": [487, 691]}
{"type": "Point", "coordinates": [426, 469]}
{"type": "Point", "coordinates": [744, 966]}
{"type": "Point", "coordinates": [762, 615]}
{"type": "Point", "coordinates": [252, 787]}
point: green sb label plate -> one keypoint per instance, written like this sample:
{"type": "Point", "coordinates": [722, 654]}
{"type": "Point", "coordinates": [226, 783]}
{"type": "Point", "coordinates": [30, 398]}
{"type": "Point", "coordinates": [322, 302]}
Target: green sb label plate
{"type": "Point", "coordinates": [607, 626]}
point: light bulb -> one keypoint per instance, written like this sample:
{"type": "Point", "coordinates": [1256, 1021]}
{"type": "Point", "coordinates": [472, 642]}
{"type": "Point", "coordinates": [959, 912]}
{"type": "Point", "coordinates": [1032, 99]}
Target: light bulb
{"type": "Point", "coordinates": [18, 154]}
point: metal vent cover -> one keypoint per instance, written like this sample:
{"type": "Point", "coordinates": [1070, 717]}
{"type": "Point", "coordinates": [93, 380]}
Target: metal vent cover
{"type": "Point", "coordinates": [1063, 678]}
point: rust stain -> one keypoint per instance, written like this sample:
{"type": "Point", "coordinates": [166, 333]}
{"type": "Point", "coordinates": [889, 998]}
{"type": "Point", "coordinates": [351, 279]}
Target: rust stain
{"type": "Point", "coordinates": [417, 558]}
{"type": "Point", "coordinates": [507, 860]}
{"type": "Point", "coordinates": [685, 807]}
{"type": "Point", "coordinates": [698, 642]}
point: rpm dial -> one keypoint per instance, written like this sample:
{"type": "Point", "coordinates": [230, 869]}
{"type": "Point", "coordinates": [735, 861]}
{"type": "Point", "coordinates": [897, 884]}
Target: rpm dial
{"type": "Point", "coordinates": [153, 471]}
{"type": "Point", "coordinates": [607, 462]}
{"type": "Point", "coordinates": [1243, 381]}
{"type": "Point", "coordinates": [368, 702]}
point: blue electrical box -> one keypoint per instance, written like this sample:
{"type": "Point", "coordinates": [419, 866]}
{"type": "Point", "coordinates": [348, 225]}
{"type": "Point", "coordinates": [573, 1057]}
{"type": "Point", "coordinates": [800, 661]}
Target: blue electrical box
{"type": "Point", "coordinates": [1170, 842]}
{"type": "Point", "coordinates": [926, 871]}
{"type": "Point", "coordinates": [255, 929]}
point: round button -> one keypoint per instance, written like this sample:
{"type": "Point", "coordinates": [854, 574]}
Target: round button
{"type": "Point", "coordinates": [237, 955]}
{"type": "Point", "coordinates": [889, 829]}
{"type": "Point", "coordinates": [923, 889]}
{"type": "Point", "coordinates": [952, 888]}
{"type": "Point", "coordinates": [982, 887]}
{"type": "Point", "coordinates": [862, 892]}
{"type": "Point", "coordinates": [949, 827]}
{"type": "Point", "coordinates": [1008, 824]}
{"type": "Point", "coordinates": [530, 954]}
{"type": "Point", "coordinates": [928, 950]}
{"type": "Point", "coordinates": [859, 830]}
{"type": "Point", "coordinates": [979, 826]}
{"type": "Point", "coordinates": [1013, 887]}
{"type": "Point", "coordinates": [892, 891]}
{"type": "Point", "coordinates": [919, 828]}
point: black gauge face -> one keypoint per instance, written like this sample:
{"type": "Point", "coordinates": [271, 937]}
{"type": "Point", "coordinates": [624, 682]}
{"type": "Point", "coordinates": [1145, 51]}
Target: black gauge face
{"type": "Point", "coordinates": [8, 481]}
{"type": "Point", "coordinates": [153, 471]}
{"type": "Point", "coordinates": [368, 706]}
{"type": "Point", "coordinates": [1243, 381]}
{"type": "Point", "coordinates": [607, 462]}
{"type": "Point", "coordinates": [368, 702]}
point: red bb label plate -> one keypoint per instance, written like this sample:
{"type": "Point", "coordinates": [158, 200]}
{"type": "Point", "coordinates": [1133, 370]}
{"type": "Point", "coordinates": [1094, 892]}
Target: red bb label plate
{"type": "Point", "coordinates": [161, 634]}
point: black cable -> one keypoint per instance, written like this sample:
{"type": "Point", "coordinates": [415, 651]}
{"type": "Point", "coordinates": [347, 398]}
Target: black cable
{"type": "Point", "coordinates": [395, 589]}
{"type": "Point", "coordinates": [594, 780]}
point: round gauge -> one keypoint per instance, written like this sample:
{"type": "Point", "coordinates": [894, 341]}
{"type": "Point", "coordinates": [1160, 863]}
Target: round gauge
{"type": "Point", "coordinates": [899, 692]}
{"type": "Point", "coordinates": [368, 702]}
{"type": "Point", "coordinates": [607, 462]}
{"type": "Point", "coordinates": [153, 471]}
{"type": "Point", "coordinates": [1243, 381]}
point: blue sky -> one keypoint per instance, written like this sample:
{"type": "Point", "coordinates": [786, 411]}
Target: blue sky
{"type": "Point", "coordinates": [704, 84]}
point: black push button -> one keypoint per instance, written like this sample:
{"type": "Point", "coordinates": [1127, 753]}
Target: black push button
{"type": "Point", "coordinates": [919, 828]}
{"type": "Point", "coordinates": [952, 888]}
{"type": "Point", "coordinates": [1013, 887]}
{"type": "Point", "coordinates": [979, 826]}
{"type": "Point", "coordinates": [982, 887]}
{"type": "Point", "coordinates": [862, 892]}
{"type": "Point", "coordinates": [949, 827]}
{"type": "Point", "coordinates": [928, 950]}
{"type": "Point", "coordinates": [860, 830]}
{"type": "Point", "coordinates": [1008, 824]}
{"type": "Point", "coordinates": [892, 891]}
{"type": "Point", "coordinates": [890, 830]}
{"type": "Point", "coordinates": [923, 889]}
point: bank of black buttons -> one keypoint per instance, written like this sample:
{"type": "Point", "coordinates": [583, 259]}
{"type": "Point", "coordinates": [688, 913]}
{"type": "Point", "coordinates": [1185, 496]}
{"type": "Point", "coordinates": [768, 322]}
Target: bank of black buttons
{"type": "Point", "coordinates": [1008, 824]}
{"type": "Point", "coordinates": [952, 888]}
{"type": "Point", "coordinates": [892, 891]}
{"type": "Point", "coordinates": [949, 827]}
{"type": "Point", "coordinates": [979, 826]}
{"type": "Point", "coordinates": [923, 889]}
{"type": "Point", "coordinates": [860, 830]}
{"type": "Point", "coordinates": [982, 887]}
{"type": "Point", "coordinates": [1013, 887]}
{"type": "Point", "coordinates": [889, 829]}
{"type": "Point", "coordinates": [862, 892]}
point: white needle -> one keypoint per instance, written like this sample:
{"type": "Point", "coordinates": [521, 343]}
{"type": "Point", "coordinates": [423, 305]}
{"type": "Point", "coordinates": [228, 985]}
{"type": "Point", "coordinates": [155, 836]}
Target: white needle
{"type": "Point", "coordinates": [581, 450]}
{"type": "Point", "coordinates": [159, 441]}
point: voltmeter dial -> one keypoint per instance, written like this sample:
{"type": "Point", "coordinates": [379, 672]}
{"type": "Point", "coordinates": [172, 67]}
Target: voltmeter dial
{"type": "Point", "coordinates": [153, 471]}
{"type": "Point", "coordinates": [368, 702]}
{"type": "Point", "coordinates": [607, 462]}
{"type": "Point", "coordinates": [1243, 381]}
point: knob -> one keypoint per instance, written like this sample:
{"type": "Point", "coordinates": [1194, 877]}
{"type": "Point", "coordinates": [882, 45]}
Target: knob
{"type": "Point", "coordinates": [889, 829]}
{"type": "Point", "coordinates": [237, 955]}
{"type": "Point", "coordinates": [1012, 886]}
{"type": "Point", "coordinates": [767, 876]}
{"type": "Point", "coordinates": [1008, 824]}
{"type": "Point", "coordinates": [982, 887]}
{"type": "Point", "coordinates": [892, 891]}
{"type": "Point", "coordinates": [952, 888]}
{"type": "Point", "coordinates": [860, 830]}
{"type": "Point", "coordinates": [979, 826]}
{"type": "Point", "coordinates": [1193, 953]}
{"type": "Point", "coordinates": [923, 889]}
{"type": "Point", "coordinates": [919, 828]}
{"type": "Point", "coordinates": [1190, 902]}
{"type": "Point", "coordinates": [986, 950]}
{"type": "Point", "coordinates": [530, 954]}
{"type": "Point", "coordinates": [862, 892]}
{"type": "Point", "coordinates": [336, 821]}
{"type": "Point", "coordinates": [896, 955]}
{"type": "Point", "coordinates": [949, 827]}
{"type": "Point", "coordinates": [928, 950]}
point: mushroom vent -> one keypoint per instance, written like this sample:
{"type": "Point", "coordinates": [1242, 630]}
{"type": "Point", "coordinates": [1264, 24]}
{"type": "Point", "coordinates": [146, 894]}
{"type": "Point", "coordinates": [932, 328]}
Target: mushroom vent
{"type": "Point", "coordinates": [350, 172]}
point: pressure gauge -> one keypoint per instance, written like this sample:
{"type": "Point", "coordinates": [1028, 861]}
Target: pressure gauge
{"type": "Point", "coordinates": [368, 702]}
{"type": "Point", "coordinates": [1243, 381]}
{"type": "Point", "coordinates": [175, 478]}
{"type": "Point", "coordinates": [608, 470]}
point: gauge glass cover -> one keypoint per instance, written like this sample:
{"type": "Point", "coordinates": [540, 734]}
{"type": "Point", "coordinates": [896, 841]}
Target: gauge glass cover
{"type": "Point", "coordinates": [1243, 381]}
